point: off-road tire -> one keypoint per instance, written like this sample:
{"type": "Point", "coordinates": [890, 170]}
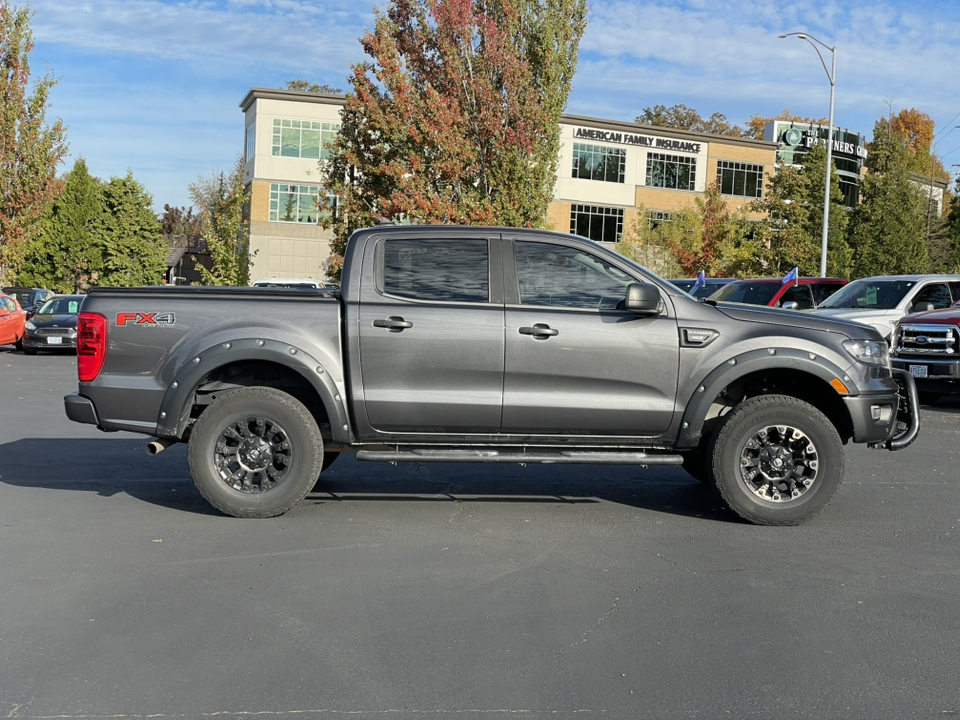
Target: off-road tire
{"type": "Point", "coordinates": [255, 452]}
{"type": "Point", "coordinates": [776, 460]}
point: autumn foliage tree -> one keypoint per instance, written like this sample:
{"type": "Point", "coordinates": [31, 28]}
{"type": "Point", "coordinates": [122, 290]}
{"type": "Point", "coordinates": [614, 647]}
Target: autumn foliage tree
{"type": "Point", "coordinates": [30, 150]}
{"type": "Point", "coordinates": [456, 118]}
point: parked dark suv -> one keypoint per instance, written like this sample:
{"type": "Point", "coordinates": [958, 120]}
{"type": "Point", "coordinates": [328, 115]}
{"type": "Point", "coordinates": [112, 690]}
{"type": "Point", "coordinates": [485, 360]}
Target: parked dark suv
{"type": "Point", "coordinates": [30, 299]}
{"type": "Point", "coordinates": [801, 294]}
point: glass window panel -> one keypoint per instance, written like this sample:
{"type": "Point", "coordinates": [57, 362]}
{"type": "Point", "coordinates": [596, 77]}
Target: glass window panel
{"type": "Point", "coordinates": [437, 270]}
{"type": "Point", "coordinates": [567, 277]}
{"type": "Point", "coordinates": [290, 144]}
{"type": "Point", "coordinates": [310, 144]}
{"type": "Point", "coordinates": [308, 209]}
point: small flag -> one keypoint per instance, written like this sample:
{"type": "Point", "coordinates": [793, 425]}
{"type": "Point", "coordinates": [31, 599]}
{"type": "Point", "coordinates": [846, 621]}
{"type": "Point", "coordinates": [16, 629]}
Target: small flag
{"type": "Point", "coordinates": [701, 281]}
{"type": "Point", "coordinates": [792, 276]}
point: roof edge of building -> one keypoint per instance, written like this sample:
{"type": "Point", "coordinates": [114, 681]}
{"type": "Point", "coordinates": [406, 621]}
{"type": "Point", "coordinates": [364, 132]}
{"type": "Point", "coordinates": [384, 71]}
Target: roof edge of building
{"type": "Point", "coordinates": [659, 130]}
{"type": "Point", "coordinates": [296, 95]}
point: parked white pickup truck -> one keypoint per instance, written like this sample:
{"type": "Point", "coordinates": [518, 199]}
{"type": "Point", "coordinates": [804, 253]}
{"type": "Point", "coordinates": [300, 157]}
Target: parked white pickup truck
{"type": "Point", "coordinates": [881, 301]}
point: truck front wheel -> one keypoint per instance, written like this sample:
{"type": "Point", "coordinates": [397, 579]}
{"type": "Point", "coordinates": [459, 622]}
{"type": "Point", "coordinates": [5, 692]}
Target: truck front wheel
{"type": "Point", "coordinates": [255, 452]}
{"type": "Point", "coordinates": [776, 460]}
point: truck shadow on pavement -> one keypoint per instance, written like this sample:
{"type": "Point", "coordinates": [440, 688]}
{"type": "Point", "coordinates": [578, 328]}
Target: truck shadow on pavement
{"type": "Point", "coordinates": [108, 466]}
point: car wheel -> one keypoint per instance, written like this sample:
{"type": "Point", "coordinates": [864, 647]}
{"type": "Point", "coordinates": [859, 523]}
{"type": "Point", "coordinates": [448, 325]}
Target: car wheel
{"type": "Point", "coordinates": [776, 460]}
{"type": "Point", "coordinates": [255, 452]}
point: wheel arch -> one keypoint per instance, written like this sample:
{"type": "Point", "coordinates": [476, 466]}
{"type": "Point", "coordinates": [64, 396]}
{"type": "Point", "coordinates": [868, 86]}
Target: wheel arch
{"type": "Point", "coordinates": [250, 363]}
{"type": "Point", "coordinates": [796, 373]}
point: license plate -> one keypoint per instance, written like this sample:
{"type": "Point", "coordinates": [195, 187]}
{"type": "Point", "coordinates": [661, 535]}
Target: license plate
{"type": "Point", "coordinates": [918, 371]}
{"type": "Point", "coordinates": [54, 341]}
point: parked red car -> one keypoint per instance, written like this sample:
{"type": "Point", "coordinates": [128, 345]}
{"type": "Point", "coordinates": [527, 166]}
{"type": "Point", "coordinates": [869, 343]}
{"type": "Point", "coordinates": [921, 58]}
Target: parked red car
{"type": "Point", "coordinates": [13, 321]}
{"type": "Point", "coordinates": [802, 294]}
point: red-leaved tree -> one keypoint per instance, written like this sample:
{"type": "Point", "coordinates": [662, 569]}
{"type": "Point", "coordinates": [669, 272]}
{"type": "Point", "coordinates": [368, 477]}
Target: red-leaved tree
{"type": "Point", "coordinates": [456, 117]}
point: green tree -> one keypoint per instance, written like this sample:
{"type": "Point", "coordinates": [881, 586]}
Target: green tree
{"type": "Point", "coordinates": [682, 117]}
{"type": "Point", "coordinates": [66, 255]}
{"type": "Point", "coordinates": [133, 249]}
{"type": "Point", "coordinates": [30, 150]}
{"type": "Point", "coordinates": [887, 229]}
{"type": "Point", "coordinates": [793, 226]}
{"type": "Point", "coordinates": [457, 117]}
{"type": "Point", "coordinates": [221, 201]}
{"type": "Point", "coordinates": [304, 86]}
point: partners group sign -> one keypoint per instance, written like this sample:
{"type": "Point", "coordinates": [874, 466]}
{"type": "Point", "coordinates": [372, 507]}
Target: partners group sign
{"type": "Point", "coordinates": [648, 141]}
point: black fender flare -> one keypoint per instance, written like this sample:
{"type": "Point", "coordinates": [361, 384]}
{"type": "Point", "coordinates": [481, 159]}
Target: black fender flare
{"type": "Point", "coordinates": [178, 399]}
{"type": "Point", "coordinates": [695, 414]}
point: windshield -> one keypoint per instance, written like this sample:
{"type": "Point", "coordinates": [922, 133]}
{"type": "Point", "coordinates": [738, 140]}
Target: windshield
{"type": "Point", "coordinates": [61, 306]}
{"type": "Point", "coordinates": [870, 294]}
{"type": "Point", "coordinates": [744, 291]}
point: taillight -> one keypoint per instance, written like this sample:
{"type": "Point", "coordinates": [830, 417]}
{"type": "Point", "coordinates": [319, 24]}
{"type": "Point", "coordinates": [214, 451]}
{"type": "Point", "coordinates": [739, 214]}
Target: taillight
{"type": "Point", "coordinates": [91, 345]}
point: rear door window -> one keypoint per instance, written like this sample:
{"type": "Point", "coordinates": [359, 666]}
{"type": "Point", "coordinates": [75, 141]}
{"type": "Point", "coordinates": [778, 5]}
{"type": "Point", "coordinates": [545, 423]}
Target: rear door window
{"type": "Point", "coordinates": [441, 270]}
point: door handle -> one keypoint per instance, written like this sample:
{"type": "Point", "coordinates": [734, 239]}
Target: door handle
{"type": "Point", "coordinates": [540, 331]}
{"type": "Point", "coordinates": [393, 324]}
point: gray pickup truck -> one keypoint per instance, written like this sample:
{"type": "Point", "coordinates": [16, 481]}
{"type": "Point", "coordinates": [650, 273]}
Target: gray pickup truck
{"type": "Point", "coordinates": [494, 345]}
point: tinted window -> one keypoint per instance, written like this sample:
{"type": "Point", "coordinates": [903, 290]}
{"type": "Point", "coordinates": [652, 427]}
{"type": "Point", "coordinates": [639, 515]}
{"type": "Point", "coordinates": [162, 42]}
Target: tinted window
{"type": "Point", "coordinates": [445, 270]}
{"type": "Point", "coordinates": [821, 291]}
{"type": "Point", "coordinates": [937, 295]}
{"type": "Point", "coordinates": [752, 293]}
{"type": "Point", "coordinates": [567, 277]}
{"type": "Point", "coordinates": [800, 294]}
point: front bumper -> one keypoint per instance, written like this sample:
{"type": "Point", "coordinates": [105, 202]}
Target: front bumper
{"type": "Point", "coordinates": [931, 374]}
{"type": "Point", "coordinates": [49, 342]}
{"type": "Point", "coordinates": [906, 420]}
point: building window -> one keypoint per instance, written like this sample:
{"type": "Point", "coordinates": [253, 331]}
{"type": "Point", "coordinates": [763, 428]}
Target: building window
{"type": "Point", "coordinates": [741, 179]}
{"type": "Point", "coordinates": [601, 224]}
{"type": "Point", "coordinates": [671, 171]}
{"type": "Point", "coordinates": [250, 142]}
{"type": "Point", "coordinates": [656, 217]}
{"type": "Point", "coordinates": [596, 162]}
{"type": "Point", "coordinates": [297, 203]}
{"type": "Point", "coordinates": [303, 138]}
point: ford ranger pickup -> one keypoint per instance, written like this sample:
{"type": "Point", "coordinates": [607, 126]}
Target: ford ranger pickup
{"type": "Point", "coordinates": [493, 345]}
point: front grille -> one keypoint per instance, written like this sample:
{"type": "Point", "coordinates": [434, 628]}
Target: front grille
{"type": "Point", "coordinates": [928, 340]}
{"type": "Point", "coordinates": [62, 332]}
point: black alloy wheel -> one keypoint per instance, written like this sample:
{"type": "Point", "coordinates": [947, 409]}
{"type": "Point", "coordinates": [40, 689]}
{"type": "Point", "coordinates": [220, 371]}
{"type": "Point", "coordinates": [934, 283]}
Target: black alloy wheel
{"type": "Point", "coordinates": [255, 452]}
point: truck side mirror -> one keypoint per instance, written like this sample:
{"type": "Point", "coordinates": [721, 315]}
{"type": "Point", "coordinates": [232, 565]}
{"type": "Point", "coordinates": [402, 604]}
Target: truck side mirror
{"type": "Point", "coordinates": [923, 307]}
{"type": "Point", "coordinates": [790, 305]}
{"type": "Point", "coordinates": [642, 298]}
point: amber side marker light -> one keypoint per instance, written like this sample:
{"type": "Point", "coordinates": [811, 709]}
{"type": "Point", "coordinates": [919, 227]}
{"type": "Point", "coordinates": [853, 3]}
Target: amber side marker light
{"type": "Point", "coordinates": [837, 385]}
{"type": "Point", "coordinates": [91, 345]}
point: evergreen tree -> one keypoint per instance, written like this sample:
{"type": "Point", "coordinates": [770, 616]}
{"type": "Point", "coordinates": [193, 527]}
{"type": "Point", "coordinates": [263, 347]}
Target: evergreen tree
{"type": "Point", "coordinates": [457, 117]}
{"type": "Point", "coordinates": [221, 200]}
{"type": "Point", "coordinates": [29, 149]}
{"type": "Point", "coordinates": [133, 249]}
{"type": "Point", "coordinates": [67, 256]}
{"type": "Point", "coordinates": [793, 226]}
{"type": "Point", "coordinates": [887, 229]}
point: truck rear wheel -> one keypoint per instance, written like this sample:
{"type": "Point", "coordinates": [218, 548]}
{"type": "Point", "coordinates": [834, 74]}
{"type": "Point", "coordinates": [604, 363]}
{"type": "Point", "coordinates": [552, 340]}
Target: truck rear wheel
{"type": "Point", "coordinates": [776, 460]}
{"type": "Point", "coordinates": [255, 452]}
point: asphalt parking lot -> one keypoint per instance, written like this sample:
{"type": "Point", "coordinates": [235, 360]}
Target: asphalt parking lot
{"type": "Point", "coordinates": [463, 591]}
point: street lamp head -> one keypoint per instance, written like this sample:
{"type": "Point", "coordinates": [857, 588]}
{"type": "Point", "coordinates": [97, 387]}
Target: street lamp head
{"type": "Point", "coordinates": [802, 37]}
{"type": "Point", "coordinates": [781, 36]}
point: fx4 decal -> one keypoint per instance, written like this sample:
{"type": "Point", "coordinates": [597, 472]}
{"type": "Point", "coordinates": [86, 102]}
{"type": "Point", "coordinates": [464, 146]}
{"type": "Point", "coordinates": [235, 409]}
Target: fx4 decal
{"type": "Point", "coordinates": [154, 319]}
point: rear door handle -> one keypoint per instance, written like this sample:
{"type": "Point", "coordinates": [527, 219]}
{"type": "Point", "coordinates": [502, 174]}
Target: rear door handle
{"type": "Point", "coordinates": [540, 331]}
{"type": "Point", "coordinates": [393, 324]}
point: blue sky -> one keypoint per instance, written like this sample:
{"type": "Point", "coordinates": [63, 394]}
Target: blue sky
{"type": "Point", "coordinates": [154, 86]}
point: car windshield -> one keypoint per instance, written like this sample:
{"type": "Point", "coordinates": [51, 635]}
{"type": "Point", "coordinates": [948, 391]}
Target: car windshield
{"type": "Point", "coordinates": [60, 306]}
{"type": "Point", "coordinates": [870, 294]}
{"type": "Point", "coordinates": [744, 291]}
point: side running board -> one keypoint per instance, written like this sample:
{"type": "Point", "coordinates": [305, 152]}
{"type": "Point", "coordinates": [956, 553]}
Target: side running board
{"type": "Point", "coordinates": [581, 457]}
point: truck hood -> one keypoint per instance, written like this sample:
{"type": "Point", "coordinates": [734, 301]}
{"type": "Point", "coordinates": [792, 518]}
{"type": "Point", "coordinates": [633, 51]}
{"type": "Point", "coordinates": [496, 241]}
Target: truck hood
{"type": "Point", "coordinates": [935, 317]}
{"type": "Point", "coordinates": [793, 318]}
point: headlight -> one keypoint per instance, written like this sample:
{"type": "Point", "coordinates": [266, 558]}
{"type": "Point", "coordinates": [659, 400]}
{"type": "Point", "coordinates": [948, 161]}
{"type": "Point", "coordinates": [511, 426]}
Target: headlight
{"type": "Point", "coordinates": [30, 326]}
{"type": "Point", "coordinates": [871, 352]}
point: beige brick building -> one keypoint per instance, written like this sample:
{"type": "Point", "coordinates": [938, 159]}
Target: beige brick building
{"type": "Point", "coordinates": [607, 170]}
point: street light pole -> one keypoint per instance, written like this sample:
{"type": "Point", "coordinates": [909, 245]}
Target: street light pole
{"type": "Point", "coordinates": [832, 77]}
